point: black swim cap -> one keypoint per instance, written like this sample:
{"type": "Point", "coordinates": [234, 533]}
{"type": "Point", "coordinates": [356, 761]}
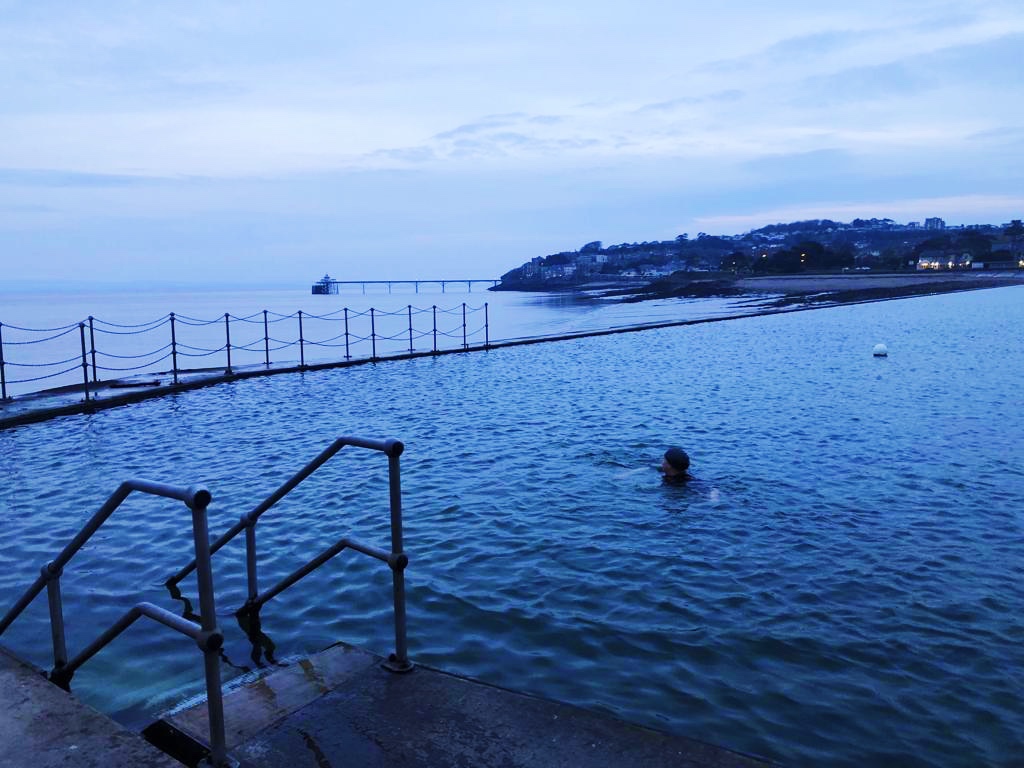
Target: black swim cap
{"type": "Point", "coordinates": [677, 459]}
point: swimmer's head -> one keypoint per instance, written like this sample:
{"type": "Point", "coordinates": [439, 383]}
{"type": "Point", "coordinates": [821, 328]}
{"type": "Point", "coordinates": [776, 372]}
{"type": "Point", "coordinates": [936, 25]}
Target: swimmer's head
{"type": "Point", "coordinates": [675, 462]}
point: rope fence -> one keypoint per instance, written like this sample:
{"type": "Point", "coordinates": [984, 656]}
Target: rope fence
{"type": "Point", "coordinates": [33, 359]}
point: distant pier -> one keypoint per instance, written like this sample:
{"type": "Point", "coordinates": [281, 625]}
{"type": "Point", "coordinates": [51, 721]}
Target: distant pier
{"type": "Point", "coordinates": [327, 285]}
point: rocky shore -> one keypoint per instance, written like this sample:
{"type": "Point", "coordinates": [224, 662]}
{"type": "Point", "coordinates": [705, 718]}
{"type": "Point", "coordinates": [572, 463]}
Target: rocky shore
{"type": "Point", "coordinates": [788, 290]}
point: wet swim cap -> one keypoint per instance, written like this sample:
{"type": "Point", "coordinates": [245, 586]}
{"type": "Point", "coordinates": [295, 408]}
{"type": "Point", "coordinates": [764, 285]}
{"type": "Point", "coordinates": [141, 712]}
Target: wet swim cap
{"type": "Point", "coordinates": [677, 459]}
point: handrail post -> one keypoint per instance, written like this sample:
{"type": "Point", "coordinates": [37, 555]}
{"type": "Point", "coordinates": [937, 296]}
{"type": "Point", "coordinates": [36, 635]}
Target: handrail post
{"type": "Point", "coordinates": [487, 330]}
{"type": "Point", "coordinates": [3, 374]}
{"type": "Point", "coordinates": [347, 355]}
{"type": "Point", "coordinates": [85, 364]}
{"type": "Point", "coordinates": [266, 340]}
{"type": "Point", "coordinates": [208, 622]}
{"type": "Point", "coordinates": [373, 336]}
{"type": "Point", "coordinates": [227, 341]}
{"type": "Point", "coordinates": [410, 329]}
{"type": "Point", "coordinates": [174, 350]}
{"type": "Point", "coordinates": [250, 558]}
{"type": "Point", "coordinates": [464, 344]}
{"type": "Point", "coordinates": [435, 326]}
{"type": "Point", "coordinates": [56, 604]}
{"type": "Point", "coordinates": [401, 656]}
{"type": "Point", "coordinates": [92, 346]}
{"type": "Point", "coordinates": [302, 344]}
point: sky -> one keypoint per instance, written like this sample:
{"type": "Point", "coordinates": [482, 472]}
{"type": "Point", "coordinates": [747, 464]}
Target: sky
{"type": "Point", "coordinates": [270, 142]}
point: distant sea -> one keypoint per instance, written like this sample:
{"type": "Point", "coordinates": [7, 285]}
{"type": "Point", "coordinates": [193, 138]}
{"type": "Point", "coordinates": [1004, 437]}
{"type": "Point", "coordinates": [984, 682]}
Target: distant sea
{"type": "Point", "coordinates": [128, 330]}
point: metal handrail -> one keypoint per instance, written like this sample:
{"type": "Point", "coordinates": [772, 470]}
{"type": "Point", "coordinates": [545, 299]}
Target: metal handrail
{"type": "Point", "coordinates": [206, 634]}
{"type": "Point", "coordinates": [396, 559]}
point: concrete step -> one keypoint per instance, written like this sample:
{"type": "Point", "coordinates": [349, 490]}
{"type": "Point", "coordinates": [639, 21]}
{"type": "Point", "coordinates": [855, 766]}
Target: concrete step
{"type": "Point", "coordinates": [44, 727]}
{"type": "Point", "coordinates": [340, 708]}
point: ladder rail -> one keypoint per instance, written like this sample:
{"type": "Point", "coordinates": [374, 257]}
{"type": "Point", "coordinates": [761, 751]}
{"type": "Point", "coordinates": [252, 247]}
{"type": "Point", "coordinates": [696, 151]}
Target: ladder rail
{"type": "Point", "coordinates": [206, 634]}
{"type": "Point", "coordinates": [396, 559]}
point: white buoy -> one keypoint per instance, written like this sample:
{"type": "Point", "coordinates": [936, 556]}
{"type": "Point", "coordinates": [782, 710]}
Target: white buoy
{"type": "Point", "coordinates": [881, 350]}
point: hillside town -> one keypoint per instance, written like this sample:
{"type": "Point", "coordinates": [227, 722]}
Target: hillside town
{"type": "Point", "coordinates": [818, 245]}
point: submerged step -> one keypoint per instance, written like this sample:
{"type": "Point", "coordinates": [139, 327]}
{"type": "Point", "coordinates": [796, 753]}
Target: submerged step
{"type": "Point", "coordinates": [43, 726]}
{"type": "Point", "coordinates": [340, 707]}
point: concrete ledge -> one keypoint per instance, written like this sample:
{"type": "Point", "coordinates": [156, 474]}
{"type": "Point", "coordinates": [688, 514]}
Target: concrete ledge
{"type": "Point", "coordinates": [341, 708]}
{"type": "Point", "coordinates": [44, 727]}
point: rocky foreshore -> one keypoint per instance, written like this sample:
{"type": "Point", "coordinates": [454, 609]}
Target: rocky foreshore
{"type": "Point", "coordinates": [788, 290]}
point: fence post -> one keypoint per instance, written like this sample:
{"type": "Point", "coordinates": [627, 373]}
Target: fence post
{"type": "Point", "coordinates": [227, 341]}
{"type": "Point", "coordinates": [435, 324]}
{"type": "Point", "coordinates": [347, 355]}
{"type": "Point", "coordinates": [266, 340]}
{"type": "Point", "coordinates": [302, 344]}
{"type": "Point", "coordinates": [174, 350]}
{"type": "Point", "coordinates": [85, 362]}
{"type": "Point", "coordinates": [3, 374]}
{"type": "Point", "coordinates": [373, 336]}
{"type": "Point", "coordinates": [487, 330]}
{"type": "Point", "coordinates": [92, 346]}
{"type": "Point", "coordinates": [464, 344]}
{"type": "Point", "coordinates": [410, 329]}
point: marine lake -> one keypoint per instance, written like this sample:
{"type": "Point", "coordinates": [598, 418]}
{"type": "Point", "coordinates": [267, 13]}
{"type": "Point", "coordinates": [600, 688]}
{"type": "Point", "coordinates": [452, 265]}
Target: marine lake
{"type": "Point", "coordinates": [842, 585]}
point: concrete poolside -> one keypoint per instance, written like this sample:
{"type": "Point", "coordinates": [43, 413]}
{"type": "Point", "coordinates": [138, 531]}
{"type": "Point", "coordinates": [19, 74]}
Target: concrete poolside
{"type": "Point", "coordinates": [340, 708]}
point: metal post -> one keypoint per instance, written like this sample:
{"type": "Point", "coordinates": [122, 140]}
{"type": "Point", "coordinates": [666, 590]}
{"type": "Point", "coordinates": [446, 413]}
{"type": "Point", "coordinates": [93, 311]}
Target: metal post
{"type": "Point", "coordinates": [302, 344]}
{"type": "Point", "coordinates": [227, 337]}
{"type": "Point", "coordinates": [266, 340]}
{"type": "Point", "coordinates": [464, 344]}
{"type": "Point", "coordinates": [174, 350]}
{"type": "Point", "coordinates": [487, 330]}
{"type": "Point", "coordinates": [250, 559]}
{"type": "Point", "coordinates": [3, 374]}
{"type": "Point", "coordinates": [60, 650]}
{"type": "Point", "coordinates": [85, 363]}
{"type": "Point", "coordinates": [373, 336]}
{"type": "Point", "coordinates": [208, 621]}
{"type": "Point", "coordinates": [435, 326]}
{"type": "Point", "coordinates": [92, 345]}
{"type": "Point", "coordinates": [410, 329]}
{"type": "Point", "coordinates": [347, 355]}
{"type": "Point", "coordinates": [397, 574]}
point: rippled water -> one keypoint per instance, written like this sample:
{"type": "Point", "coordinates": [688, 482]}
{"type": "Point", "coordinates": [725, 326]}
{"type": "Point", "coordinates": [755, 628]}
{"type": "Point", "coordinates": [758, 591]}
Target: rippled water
{"type": "Point", "coordinates": [842, 586]}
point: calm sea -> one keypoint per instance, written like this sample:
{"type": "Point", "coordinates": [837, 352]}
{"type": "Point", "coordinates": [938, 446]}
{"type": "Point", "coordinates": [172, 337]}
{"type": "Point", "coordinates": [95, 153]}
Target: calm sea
{"type": "Point", "coordinates": [132, 333]}
{"type": "Point", "coordinates": [842, 585]}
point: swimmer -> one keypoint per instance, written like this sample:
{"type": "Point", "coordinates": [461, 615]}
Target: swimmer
{"type": "Point", "coordinates": [675, 466]}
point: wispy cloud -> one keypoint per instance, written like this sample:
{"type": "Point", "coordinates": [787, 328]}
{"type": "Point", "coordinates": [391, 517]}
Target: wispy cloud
{"type": "Point", "coordinates": [730, 95]}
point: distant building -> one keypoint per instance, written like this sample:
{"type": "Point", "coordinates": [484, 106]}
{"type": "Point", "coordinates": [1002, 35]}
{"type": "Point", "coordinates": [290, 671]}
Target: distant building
{"type": "Point", "coordinates": [934, 223]}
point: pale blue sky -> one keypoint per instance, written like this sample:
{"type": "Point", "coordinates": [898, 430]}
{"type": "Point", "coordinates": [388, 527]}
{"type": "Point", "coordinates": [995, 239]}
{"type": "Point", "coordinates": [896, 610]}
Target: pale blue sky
{"type": "Point", "coordinates": [271, 142]}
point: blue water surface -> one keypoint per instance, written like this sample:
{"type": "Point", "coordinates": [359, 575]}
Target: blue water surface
{"type": "Point", "coordinates": [842, 585]}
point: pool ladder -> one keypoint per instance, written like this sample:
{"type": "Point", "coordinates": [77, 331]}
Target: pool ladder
{"type": "Point", "coordinates": [206, 634]}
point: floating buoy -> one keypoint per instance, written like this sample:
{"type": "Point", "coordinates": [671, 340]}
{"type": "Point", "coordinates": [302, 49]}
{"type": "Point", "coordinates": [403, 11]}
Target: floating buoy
{"type": "Point", "coordinates": [881, 351]}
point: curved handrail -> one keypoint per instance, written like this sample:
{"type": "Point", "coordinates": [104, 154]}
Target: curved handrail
{"type": "Point", "coordinates": [396, 559]}
{"type": "Point", "coordinates": [207, 635]}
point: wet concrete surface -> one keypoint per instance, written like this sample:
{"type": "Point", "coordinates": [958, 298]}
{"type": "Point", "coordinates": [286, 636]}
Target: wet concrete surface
{"type": "Point", "coordinates": [43, 726]}
{"type": "Point", "coordinates": [341, 708]}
